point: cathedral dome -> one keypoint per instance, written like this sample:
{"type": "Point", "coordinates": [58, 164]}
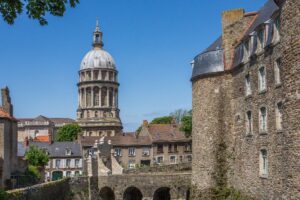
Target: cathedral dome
{"type": "Point", "coordinates": [97, 58]}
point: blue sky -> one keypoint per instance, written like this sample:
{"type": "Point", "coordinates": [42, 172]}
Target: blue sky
{"type": "Point", "coordinates": [152, 42]}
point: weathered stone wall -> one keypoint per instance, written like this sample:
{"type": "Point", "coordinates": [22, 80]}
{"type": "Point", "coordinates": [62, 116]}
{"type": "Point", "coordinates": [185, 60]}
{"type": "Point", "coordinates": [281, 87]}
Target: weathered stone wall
{"type": "Point", "coordinates": [179, 184]}
{"type": "Point", "coordinates": [163, 168]}
{"type": "Point", "coordinates": [224, 156]}
{"type": "Point", "coordinates": [58, 190]}
{"type": "Point", "coordinates": [290, 47]}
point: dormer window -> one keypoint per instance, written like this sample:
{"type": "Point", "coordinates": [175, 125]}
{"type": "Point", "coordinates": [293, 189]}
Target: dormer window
{"type": "Point", "coordinates": [246, 50]}
{"type": "Point", "coordinates": [68, 151]}
{"type": "Point", "coordinates": [261, 38]}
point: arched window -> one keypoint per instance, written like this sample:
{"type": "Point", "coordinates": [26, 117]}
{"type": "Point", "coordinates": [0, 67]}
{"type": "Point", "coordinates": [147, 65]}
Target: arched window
{"type": "Point", "coordinates": [249, 123]}
{"type": "Point", "coordinates": [96, 96]}
{"type": "Point", "coordinates": [262, 84]}
{"type": "Point", "coordinates": [247, 85]}
{"type": "Point", "coordinates": [104, 96]}
{"type": "Point", "coordinates": [277, 70]}
{"type": "Point", "coordinates": [88, 97]}
{"type": "Point", "coordinates": [278, 112]}
{"type": "Point", "coordinates": [110, 97]}
{"type": "Point", "coordinates": [263, 163]}
{"type": "Point", "coordinates": [263, 119]}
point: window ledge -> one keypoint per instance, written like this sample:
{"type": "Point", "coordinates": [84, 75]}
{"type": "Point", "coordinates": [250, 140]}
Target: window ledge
{"type": "Point", "coordinates": [249, 96]}
{"type": "Point", "coordinates": [279, 131]}
{"type": "Point", "coordinates": [263, 176]}
{"type": "Point", "coordinates": [249, 135]}
{"type": "Point", "coordinates": [262, 91]}
{"type": "Point", "coordinates": [263, 133]}
{"type": "Point", "coordinates": [278, 85]}
{"type": "Point", "coordinates": [131, 155]}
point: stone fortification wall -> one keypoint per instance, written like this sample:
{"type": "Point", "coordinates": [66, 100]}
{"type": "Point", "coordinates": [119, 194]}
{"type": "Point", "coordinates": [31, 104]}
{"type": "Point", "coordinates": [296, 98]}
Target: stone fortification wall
{"type": "Point", "coordinates": [163, 168]}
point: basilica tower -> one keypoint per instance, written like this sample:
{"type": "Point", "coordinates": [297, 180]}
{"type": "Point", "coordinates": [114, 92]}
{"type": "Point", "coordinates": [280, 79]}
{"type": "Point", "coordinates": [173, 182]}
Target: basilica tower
{"type": "Point", "coordinates": [98, 112]}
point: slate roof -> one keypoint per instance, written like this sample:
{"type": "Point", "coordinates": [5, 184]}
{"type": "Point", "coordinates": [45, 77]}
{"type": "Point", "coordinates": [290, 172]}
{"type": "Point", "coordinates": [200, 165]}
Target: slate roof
{"type": "Point", "coordinates": [264, 14]}
{"type": "Point", "coordinates": [58, 149]}
{"type": "Point", "coordinates": [55, 120]}
{"type": "Point", "coordinates": [210, 60]}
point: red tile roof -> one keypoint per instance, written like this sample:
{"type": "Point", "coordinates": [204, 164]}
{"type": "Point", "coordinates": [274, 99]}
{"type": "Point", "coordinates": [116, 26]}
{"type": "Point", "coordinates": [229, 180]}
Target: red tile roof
{"type": "Point", "coordinates": [42, 138]}
{"type": "Point", "coordinates": [5, 115]}
{"type": "Point", "coordinates": [167, 133]}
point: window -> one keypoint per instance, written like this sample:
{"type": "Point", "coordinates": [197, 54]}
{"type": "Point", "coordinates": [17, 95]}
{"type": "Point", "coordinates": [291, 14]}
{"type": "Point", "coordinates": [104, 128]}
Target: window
{"type": "Point", "coordinates": [247, 85]}
{"type": "Point", "coordinates": [159, 159]}
{"type": "Point", "coordinates": [68, 174]}
{"type": "Point", "coordinates": [262, 79]}
{"type": "Point", "coordinates": [172, 159]}
{"type": "Point", "coordinates": [249, 123]}
{"type": "Point", "coordinates": [263, 163]}
{"type": "Point", "coordinates": [103, 75]}
{"type": "Point", "coordinates": [170, 148]}
{"type": "Point", "coordinates": [131, 151]}
{"type": "Point", "coordinates": [68, 152]}
{"type": "Point", "coordinates": [146, 151]}
{"type": "Point", "coordinates": [277, 70]}
{"type": "Point", "coordinates": [57, 163]}
{"type": "Point", "coordinates": [77, 163]}
{"type": "Point", "coordinates": [246, 50]}
{"type": "Point", "coordinates": [278, 112]}
{"type": "Point", "coordinates": [90, 152]}
{"type": "Point", "coordinates": [77, 173]}
{"type": "Point", "coordinates": [118, 152]}
{"type": "Point", "coordinates": [175, 148]}
{"type": "Point", "coordinates": [187, 147]}
{"type": "Point", "coordinates": [160, 148]}
{"type": "Point", "coordinates": [189, 158]}
{"type": "Point", "coordinates": [261, 38]}
{"type": "Point", "coordinates": [88, 114]}
{"type": "Point", "coordinates": [276, 33]}
{"type": "Point", "coordinates": [263, 119]}
{"type": "Point", "coordinates": [96, 73]}
{"type": "Point", "coordinates": [131, 164]}
{"type": "Point", "coordinates": [96, 96]}
{"type": "Point", "coordinates": [68, 163]}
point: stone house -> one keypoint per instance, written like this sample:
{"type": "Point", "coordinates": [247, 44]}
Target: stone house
{"type": "Point", "coordinates": [40, 128]}
{"type": "Point", "coordinates": [65, 159]}
{"type": "Point", "coordinates": [8, 140]}
{"type": "Point", "coordinates": [161, 144]}
{"type": "Point", "coordinates": [246, 105]}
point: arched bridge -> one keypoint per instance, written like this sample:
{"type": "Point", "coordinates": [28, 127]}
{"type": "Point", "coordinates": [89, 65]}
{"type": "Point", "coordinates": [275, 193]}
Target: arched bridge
{"type": "Point", "coordinates": [142, 186]}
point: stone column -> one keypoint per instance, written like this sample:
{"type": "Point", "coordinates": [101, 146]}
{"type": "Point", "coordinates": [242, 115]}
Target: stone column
{"type": "Point", "coordinates": [79, 97]}
{"type": "Point", "coordinates": [117, 100]}
{"type": "Point", "coordinates": [84, 97]}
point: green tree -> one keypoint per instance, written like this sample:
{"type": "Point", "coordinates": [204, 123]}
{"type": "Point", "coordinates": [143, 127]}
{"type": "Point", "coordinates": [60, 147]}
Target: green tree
{"type": "Point", "coordinates": [162, 120]}
{"type": "Point", "coordinates": [186, 125]}
{"type": "Point", "coordinates": [68, 132]}
{"type": "Point", "coordinates": [35, 9]}
{"type": "Point", "coordinates": [36, 157]}
{"type": "Point", "coordinates": [179, 114]}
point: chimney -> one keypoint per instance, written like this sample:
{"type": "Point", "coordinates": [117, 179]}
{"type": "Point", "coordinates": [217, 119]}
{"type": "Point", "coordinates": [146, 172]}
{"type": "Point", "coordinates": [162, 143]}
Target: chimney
{"type": "Point", "coordinates": [231, 16]}
{"type": "Point", "coordinates": [6, 101]}
{"type": "Point", "coordinates": [145, 123]}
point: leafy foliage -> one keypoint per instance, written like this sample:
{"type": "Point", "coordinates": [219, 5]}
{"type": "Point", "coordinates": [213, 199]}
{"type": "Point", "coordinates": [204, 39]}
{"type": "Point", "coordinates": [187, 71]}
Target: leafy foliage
{"type": "Point", "coordinates": [162, 120]}
{"type": "Point", "coordinates": [138, 130]}
{"type": "Point", "coordinates": [36, 156]}
{"type": "Point", "coordinates": [179, 114]}
{"type": "Point", "coordinates": [3, 194]}
{"type": "Point", "coordinates": [35, 9]}
{"type": "Point", "coordinates": [186, 125]}
{"type": "Point", "coordinates": [68, 132]}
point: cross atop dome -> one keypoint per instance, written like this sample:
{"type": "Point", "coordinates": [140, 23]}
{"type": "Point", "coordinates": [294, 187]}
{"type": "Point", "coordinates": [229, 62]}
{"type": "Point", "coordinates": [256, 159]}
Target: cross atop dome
{"type": "Point", "coordinates": [97, 38]}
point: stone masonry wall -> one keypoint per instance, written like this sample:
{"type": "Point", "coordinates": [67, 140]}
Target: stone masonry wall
{"type": "Point", "coordinates": [290, 46]}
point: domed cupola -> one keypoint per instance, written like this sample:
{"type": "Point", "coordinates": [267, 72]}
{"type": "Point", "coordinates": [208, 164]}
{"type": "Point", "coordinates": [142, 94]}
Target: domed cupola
{"type": "Point", "coordinates": [97, 57]}
{"type": "Point", "coordinates": [98, 90]}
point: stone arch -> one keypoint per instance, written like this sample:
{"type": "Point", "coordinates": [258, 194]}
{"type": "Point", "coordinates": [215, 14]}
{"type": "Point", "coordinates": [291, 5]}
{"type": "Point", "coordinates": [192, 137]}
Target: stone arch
{"type": "Point", "coordinates": [162, 193]}
{"type": "Point", "coordinates": [106, 193]}
{"type": "Point", "coordinates": [132, 193]}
